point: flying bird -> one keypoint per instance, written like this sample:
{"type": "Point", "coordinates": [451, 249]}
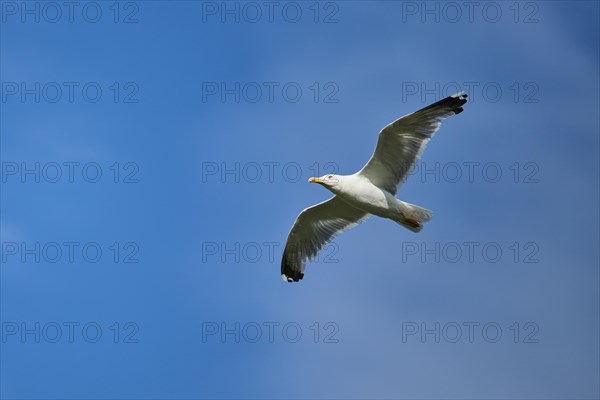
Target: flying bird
{"type": "Point", "coordinates": [370, 191]}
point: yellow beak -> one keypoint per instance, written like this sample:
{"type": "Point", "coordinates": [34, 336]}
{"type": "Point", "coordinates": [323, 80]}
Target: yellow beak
{"type": "Point", "coordinates": [315, 180]}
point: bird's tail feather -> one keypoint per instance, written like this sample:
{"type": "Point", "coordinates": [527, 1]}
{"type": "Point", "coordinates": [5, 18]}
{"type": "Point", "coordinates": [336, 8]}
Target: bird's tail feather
{"type": "Point", "coordinates": [413, 217]}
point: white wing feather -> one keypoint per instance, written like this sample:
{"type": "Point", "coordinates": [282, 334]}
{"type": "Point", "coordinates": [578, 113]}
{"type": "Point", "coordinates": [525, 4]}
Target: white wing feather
{"type": "Point", "coordinates": [400, 143]}
{"type": "Point", "coordinates": [315, 227]}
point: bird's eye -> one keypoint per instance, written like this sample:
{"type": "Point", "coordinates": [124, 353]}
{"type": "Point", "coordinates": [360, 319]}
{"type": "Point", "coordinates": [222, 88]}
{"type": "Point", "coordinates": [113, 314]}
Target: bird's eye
{"type": "Point", "coordinates": [330, 176]}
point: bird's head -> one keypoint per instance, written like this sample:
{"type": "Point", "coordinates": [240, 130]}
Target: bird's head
{"type": "Point", "coordinates": [330, 181]}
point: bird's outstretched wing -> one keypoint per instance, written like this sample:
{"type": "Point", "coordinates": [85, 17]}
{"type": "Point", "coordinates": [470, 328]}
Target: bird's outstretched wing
{"type": "Point", "coordinates": [401, 142]}
{"type": "Point", "coordinates": [314, 227]}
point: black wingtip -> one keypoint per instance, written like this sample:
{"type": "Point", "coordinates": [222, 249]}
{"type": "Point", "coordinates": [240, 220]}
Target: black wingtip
{"type": "Point", "coordinates": [456, 101]}
{"type": "Point", "coordinates": [453, 103]}
{"type": "Point", "coordinates": [294, 277]}
{"type": "Point", "coordinates": [288, 273]}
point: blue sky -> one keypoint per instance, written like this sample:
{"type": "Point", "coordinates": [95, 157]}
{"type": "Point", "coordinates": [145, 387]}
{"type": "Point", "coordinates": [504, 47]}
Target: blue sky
{"type": "Point", "coordinates": [153, 166]}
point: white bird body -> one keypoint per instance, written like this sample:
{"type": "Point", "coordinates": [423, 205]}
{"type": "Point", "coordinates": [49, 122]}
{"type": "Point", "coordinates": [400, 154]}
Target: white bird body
{"type": "Point", "coordinates": [359, 192]}
{"type": "Point", "coordinates": [370, 191]}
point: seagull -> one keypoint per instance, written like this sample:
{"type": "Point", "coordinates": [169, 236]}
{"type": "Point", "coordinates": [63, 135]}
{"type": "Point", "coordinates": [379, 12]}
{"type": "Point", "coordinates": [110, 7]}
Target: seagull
{"type": "Point", "coordinates": [370, 191]}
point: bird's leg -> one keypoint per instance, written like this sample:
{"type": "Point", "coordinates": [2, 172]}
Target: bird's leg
{"type": "Point", "coordinates": [409, 221]}
{"type": "Point", "coordinates": [413, 223]}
